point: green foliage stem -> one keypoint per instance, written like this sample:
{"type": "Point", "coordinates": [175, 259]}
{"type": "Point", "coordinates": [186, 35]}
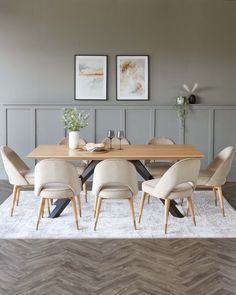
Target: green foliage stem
{"type": "Point", "coordinates": [182, 110]}
{"type": "Point", "coordinates": [73, 120]}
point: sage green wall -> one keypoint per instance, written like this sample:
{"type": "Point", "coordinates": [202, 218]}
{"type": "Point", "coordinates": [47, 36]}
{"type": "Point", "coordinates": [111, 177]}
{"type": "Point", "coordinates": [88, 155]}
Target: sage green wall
{"type": "Point", "coordinates": [187, 40]}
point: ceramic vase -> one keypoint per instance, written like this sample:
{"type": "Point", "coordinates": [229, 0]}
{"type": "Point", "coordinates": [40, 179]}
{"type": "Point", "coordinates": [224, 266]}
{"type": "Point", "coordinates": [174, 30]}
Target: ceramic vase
{"type": "Point", "coordinates": [74, 140]}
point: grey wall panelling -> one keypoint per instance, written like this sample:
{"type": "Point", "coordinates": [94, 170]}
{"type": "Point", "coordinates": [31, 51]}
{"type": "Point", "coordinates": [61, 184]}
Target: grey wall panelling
{"type": "Point", "coordinates": [209, 128]}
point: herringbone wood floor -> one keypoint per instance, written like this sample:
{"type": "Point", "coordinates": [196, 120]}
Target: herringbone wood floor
{"type": "Point", "coordinates": [115, 267]}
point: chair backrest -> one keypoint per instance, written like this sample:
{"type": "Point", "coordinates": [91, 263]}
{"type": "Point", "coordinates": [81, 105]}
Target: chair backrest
{"type": "Point", "coordinates": [221, 166]}
{"type": "Point", "coordinates": [115, 172]}
{"type": "Point", "coordinates": [115, 141]}
{"type": "Point", "coordinates": [65, 141]}
{"type": "Point", "coordinates": [158, 140]}
{"type": "Point", "coordinates": [56, 172]}
{"type": "Point", "coordinates": [14, 166]}
{"type": "Point", "coordinates": [184, 171]}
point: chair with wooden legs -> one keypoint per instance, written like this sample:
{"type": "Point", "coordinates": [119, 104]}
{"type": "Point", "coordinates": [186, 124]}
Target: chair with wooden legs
{"type": "Point", "coordinates": [114, 179]}
{"type": "Point", "coordinates": [158, 168]}
{"type": "Point", "coordinates": [19, 174]}
{"type": "Point", "coordinates": [178, 182]}
{"type": "Point", "coordinates": [56, 179]}
{"type": "Point", "coordinates": [215, 175]}
{"type": "Point", "coordinates": [79, 164]}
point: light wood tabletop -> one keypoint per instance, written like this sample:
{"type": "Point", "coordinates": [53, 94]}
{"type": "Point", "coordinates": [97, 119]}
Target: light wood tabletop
{"type": "Point", "coordinates": [128, 152]}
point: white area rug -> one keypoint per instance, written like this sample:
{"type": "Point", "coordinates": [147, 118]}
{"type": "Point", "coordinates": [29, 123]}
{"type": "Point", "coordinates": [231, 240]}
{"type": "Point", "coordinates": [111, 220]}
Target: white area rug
{"type": "Point", "coordinates": [115, 220]}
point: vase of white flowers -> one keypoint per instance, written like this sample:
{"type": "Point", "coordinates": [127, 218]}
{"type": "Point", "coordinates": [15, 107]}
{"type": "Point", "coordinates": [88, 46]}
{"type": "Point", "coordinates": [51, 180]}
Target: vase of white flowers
{"type": "Point", "coordinates": [74, 122]}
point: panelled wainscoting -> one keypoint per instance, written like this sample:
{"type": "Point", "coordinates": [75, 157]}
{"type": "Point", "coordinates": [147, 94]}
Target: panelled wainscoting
{"type": "Point", "coordinates": [209, 128]}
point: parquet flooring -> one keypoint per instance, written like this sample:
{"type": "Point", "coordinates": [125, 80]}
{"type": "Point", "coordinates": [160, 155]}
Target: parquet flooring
{"type": "Point", "coordinates": [118, 267]}
{"type": "Point", "coordinates": [112, 267]}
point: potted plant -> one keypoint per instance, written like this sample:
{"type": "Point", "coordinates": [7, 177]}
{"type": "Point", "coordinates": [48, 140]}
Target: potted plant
{"type": "Point", "coordinates": [182, 107]}
{"type": "Point", "coordinates": [74, 122]}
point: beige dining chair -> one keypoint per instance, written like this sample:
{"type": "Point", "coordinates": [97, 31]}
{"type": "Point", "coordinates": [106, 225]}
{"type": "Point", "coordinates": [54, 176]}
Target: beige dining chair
{"type": "Point", "coordinates": [157, 168]}
{"type": "Point", "coordinates": [215, 175]}
{"type": "Point", "coordinates": [79, 164]}
{"type": "Point", "coordinates": [57, 179]}
{"type": "Point", "coordinates": [178, 182]}
{"type": "Point", "coordinates": [19, 174]}
{"type": "Point", "coordinates": [114, 179]}
{"type": "Point", "coordinates": [115, 141]}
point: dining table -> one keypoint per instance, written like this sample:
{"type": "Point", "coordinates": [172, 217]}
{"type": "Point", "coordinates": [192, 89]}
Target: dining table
{"type": "Point", "coordinates": [135, 153]}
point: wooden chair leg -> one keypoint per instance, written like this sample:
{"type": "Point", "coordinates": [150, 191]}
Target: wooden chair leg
{"type": "Point", "coordinates": [190, 205]}
{"type": "Point", "coordinates": [215, 195]}
{"type": "Point", "coordinates": [97, 212]}
{"type": "Point", "coordinates": [221, 200]}
{"type": "Point", "coordinates": [79, 205]}
{"type": "Point", "coordinates": [18, 196]}
{"type": "Point", "coordinates": [144, 194]}
{"type": "Point", "coordinates": [41, 208]}
{"type": "Point", "coordinates": [167, 207]}
{"type": "Point", "coordinates": [149, 199]}
{"type": "Point", "coordinates": [131, 203]}
{"type": "Point", "coordinates": [95, 206]}
{"type": "Point", "coordinates": [48, 203]}
{"type": "Point", "coordinates": [85, 191]}
{"type": "Point", "coordinates": [14, 195]}
{"type": "Point", "coordinates": [75, 211]}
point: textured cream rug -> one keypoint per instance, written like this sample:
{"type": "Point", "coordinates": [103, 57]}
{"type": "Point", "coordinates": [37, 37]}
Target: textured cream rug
{"type": "Point", "coordinates": [115, 220]}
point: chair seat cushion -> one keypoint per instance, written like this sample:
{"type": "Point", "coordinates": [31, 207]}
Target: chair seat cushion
{"type": "Point", "coordinates": [56, 191]}
{"type": "Point", "coordinates": [204, 177]}
{"type": "Point", "coordinates": [29, 176]}
{"type": "Point", "coordinates": [158, 169]}
{"type": "Point", "coordinates": [115, 192]}
{"type": "Point", "coordinates": [182, 190]}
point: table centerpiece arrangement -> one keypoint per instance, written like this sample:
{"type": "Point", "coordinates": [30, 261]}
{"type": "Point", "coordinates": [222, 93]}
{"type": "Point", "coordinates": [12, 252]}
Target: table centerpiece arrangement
{"type": "Point", "coordinates": [74, 121]}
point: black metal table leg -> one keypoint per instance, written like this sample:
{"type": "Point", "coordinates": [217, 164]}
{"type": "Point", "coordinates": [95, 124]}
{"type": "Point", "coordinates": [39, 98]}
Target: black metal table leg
{"type": "Point", "coordinates": [142, 170]}
{"type": "Point", "coordinates": [60, 206]}
{"type": "Point", "coordinates": [88, 171]}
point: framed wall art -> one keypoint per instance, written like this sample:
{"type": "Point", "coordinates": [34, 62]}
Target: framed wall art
{"type": "Point", "coordinates": [132, 77]}
{"type": "Point", "coordinates": [90, 77]}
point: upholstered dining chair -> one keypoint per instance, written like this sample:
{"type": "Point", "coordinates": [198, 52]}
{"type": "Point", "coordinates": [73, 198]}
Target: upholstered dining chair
{"type": "Point", "coordinates": [178, 182]}
{"type": "Point", "coordinates": [19, 174]}
{"type": "Point", "coordinates": [157, 168]}
{"type": "Point", "coordinates": [216, 173]}
{"type": "Point", "coordinates": [115, 141]}
{"type": "Point", "coordinates": [79, 164]}
{"type": "Point", "coordinates": [56, 179]}
{"type": "Point", "coordinates": [114, 179]}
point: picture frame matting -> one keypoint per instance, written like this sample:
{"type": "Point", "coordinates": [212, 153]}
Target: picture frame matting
{"type": "Point", "coordinates": [132, 77]}
{"type": "Point", "coordinates": [90, 77]}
